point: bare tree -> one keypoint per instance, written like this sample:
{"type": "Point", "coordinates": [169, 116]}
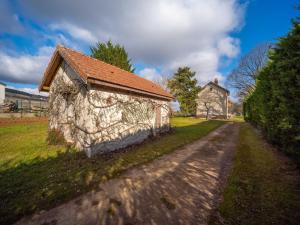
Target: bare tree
{"type": "Point", "coordinates": [162, 81]}
{"type": "Point", "coordinates": [243, 77]}
{"type": "Point", "coordinates": [236, 108]}
{"type": "Point", "coordinates": [208, 106]}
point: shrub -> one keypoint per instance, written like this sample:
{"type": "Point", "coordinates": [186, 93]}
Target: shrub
{"type": "Point", "coordinates": [55, 137]}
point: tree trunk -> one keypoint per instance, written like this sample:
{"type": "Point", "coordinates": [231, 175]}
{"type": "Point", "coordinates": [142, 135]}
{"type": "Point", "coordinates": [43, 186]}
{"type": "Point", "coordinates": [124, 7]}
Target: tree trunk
{"type": "Point", "coordinates": [207, 112]}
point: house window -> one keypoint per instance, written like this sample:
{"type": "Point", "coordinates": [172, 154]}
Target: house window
{"type": "Point", "coordinates": [210, 88]}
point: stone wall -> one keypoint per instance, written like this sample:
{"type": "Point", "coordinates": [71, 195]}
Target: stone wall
{"type": "Point", "coordinates": [19, 115]}
{"type": "Point", "coordinates": [100, 120]}
{"type": "Point", "coordinates": [214, 100]}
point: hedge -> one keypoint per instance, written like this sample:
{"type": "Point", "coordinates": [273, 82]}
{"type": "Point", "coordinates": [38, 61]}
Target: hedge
{"type": "Point", "coordinates": [274, 106]}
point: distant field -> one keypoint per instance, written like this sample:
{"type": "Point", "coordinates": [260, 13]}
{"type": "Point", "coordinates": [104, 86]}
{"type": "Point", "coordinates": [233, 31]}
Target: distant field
{"type": "Point", "coordinates": [36, 176]}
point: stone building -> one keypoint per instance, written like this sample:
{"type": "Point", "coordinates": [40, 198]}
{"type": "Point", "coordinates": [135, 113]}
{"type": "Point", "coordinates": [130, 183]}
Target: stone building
{"type": "Point", "coordinates": [99, 107]}
{"type": "Point", "coordinates": [12, 100]}
{"type": "Point", "coordinates": [2, 92]}
{"type": "Point", "coordinates": [212, 101]}
{"type": "Point", "coordinates": [25, 101]}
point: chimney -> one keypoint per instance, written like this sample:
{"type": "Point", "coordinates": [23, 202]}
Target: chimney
{"type": "Point", "coordinates": [216, 81]}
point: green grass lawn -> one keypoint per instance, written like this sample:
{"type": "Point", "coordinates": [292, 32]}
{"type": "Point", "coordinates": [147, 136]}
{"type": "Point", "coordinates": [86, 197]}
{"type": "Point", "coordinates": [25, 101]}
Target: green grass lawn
{"type": "Point", "coordinates": [237, 119]}
{"type": "Point", "coordinates": [36, 176]}
{"type": "Point", "coordinates": [262, 188]}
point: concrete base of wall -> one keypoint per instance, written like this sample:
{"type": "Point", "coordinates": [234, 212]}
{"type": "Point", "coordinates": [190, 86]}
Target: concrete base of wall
{"type": "Point", "coordinates": [124, 142]}
{"type": "Point", "coordinates": [212, 116]}
{"type": "Point", "coordinates": [17, 115]}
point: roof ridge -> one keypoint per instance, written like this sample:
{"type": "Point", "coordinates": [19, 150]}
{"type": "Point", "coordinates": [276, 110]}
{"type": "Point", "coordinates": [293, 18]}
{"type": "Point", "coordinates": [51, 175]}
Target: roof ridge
{"type": "Point", "coordinates": [24, 92]}
{"type": "Point", "coordinates": [211, 82]}
{"type": "Point", "coordinates": [98, 60]}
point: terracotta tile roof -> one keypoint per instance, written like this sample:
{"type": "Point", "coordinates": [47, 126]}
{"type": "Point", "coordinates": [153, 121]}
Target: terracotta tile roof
{"type": "Point", "coordinates": [91, 69]}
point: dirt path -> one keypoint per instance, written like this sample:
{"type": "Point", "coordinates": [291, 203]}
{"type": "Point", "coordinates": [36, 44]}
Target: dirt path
{"type": "Point", "coordinates": [179, 188]}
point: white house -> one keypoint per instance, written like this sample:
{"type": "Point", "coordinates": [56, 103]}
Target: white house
{"type": "Point", "coordinates": [99, 107]}
{"type": "Point", "coordinates": [212, 101]}
{"type": "Point", "coordinates": [2, 92]}
{"type": "Point", "coordinates": [13, 100]}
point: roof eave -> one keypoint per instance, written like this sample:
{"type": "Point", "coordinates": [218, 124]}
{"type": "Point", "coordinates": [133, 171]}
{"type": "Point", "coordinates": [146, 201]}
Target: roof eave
{"type": "Point", "coordinates": [125, 88]}
{"type": "Point", "coordinates": [50, 71]}
{"type": "Point", "coordinates": [217, 85]}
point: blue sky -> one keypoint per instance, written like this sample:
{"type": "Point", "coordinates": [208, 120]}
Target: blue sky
{"type": "Point", "coordinates": [265, 21]}
{"type": "Point", "coordinates": [160, 35]}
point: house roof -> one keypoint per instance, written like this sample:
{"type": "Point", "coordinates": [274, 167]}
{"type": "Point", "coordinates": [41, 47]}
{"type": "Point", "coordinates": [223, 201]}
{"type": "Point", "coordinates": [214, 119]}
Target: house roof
{"type": "Point", "coordinates": [10, 91]}
{"type": "Point", "coordinates": [217, 85]}
{"type": "Point", "coordinates": [100, 73]}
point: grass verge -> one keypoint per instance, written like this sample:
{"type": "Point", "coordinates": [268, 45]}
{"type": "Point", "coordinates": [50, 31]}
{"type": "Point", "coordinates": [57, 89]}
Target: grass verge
{"type": "Point", "coordinates": [36, 176]}
{"type": "Point", "coordinates": [238, 119]}
{"type": "Point", "coordinates": [263, 187]}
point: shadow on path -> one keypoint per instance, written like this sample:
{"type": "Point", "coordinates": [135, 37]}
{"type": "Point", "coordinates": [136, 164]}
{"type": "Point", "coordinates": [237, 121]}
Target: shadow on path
{"type": "Point", "coordinates": [180, 188]}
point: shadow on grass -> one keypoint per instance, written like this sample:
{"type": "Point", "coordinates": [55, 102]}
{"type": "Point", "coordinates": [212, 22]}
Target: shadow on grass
{"type": "Point", "coordinates": [44, 183]}
{"type": "Point", "coordinates": [263, 187]}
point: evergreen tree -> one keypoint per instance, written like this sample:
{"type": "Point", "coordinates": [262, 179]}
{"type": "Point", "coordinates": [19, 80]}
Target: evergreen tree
{"type": "Point", "coordinates": [275, 103]}
{"type": "Point", "coordinates": [285, 83]}
{"type": "Point", "coordinates": [184, 87]}
{"type": "Point", "coordinates": [113, 54]}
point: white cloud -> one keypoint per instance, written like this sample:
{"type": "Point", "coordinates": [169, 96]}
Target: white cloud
{"type": "Point", "coordinates": [204, 63]}
{"type": "Point", "coordinates": [229, 46]}
{"type": "Point", "coordinates": [159, 33]}
{"type": "Point", "coordinates": [24, 68]}
{"type": "Point", "coordinates": [75, 31]}
{"type": "Point", "coordinates": [150, 74]}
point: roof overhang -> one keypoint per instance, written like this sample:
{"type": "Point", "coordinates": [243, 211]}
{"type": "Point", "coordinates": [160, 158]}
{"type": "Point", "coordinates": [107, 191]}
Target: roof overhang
{"type": "Point", "coordinates": [124, 88]}
{"type": "Point", "coordinates": [51, 71]}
